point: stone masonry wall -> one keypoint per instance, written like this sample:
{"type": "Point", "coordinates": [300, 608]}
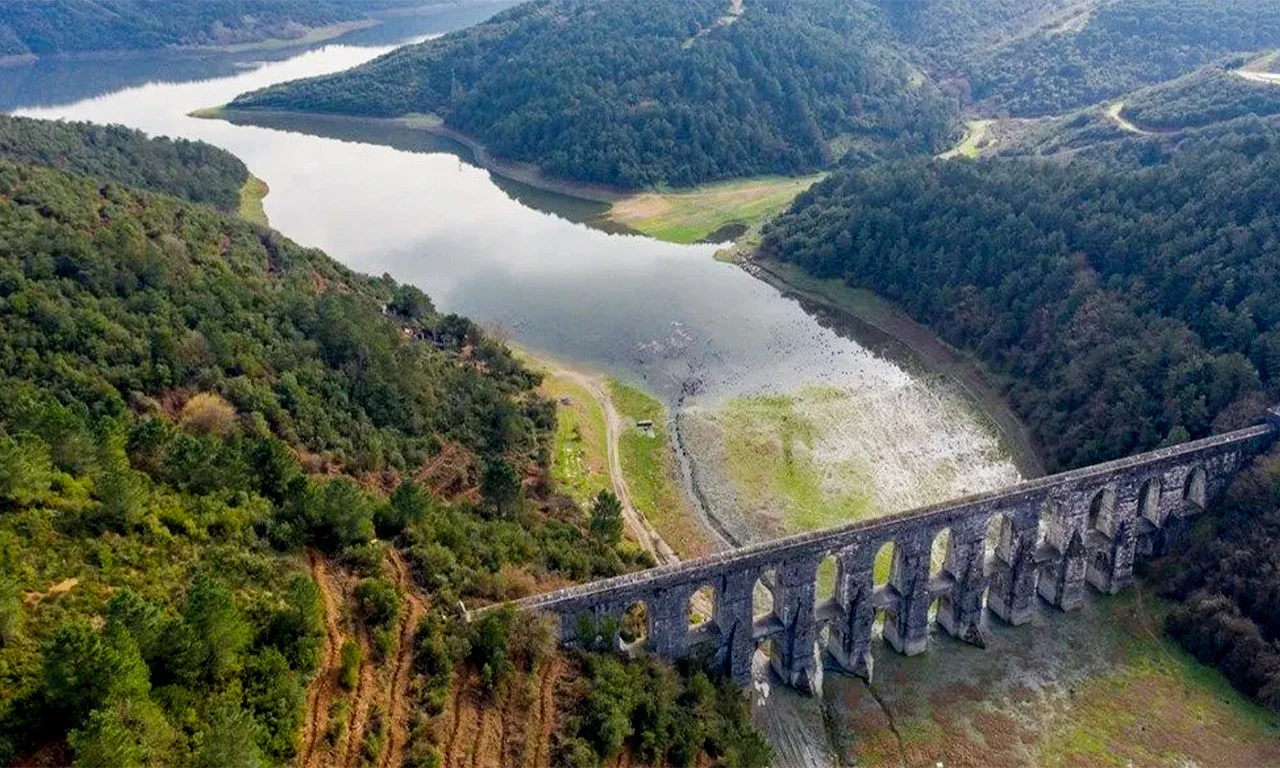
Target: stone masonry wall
{"type": "Point", "coordinates": [1042, 539]}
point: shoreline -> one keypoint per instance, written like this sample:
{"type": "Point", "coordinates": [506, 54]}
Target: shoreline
{"type": "Point", "coordinates": [313, 36]}
{"type": "Point", "coordinates": [870, 313]}
{"type": "Point", "coordinates": [646, 531]}
{"type": "Point", "coordinates": [916, 342]}
{"type": "Point", "coordinates": [524, 173]}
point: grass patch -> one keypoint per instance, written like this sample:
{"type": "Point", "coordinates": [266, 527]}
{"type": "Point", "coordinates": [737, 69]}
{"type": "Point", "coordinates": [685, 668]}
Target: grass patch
{"type": "Point", "coordinates": [768, 449]}
{"type": "Point", "coordinates": [251, 195]}
{"type": "Point", "coordinates": [690, 216]}
{"type": "Point", "coordinates": [209, 113]}
{"type": "Point", "coordinates": [1100, 686]}
{"type": "Point", "coordinates": [581, 462]}
{"type": "Point", "coordinates": [650, 469]}
{"type": "Point", "coordinates": [974, 141]}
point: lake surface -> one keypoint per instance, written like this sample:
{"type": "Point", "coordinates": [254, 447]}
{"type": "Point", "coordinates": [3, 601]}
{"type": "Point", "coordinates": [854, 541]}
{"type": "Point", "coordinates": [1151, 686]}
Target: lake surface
{"type": "Point", "coordinates": [696, 332]}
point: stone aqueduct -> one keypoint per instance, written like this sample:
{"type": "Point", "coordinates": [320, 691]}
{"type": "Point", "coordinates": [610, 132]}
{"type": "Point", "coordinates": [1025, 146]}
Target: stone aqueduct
{"type": "Point", "coordinates": [1042, 539]}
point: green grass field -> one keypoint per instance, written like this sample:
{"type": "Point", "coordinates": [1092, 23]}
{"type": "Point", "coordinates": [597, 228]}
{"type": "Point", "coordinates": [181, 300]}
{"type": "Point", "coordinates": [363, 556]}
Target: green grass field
{"type": "Point", "coordinates": [768, 445]}
{"type": "Point", "coordinates": [649, 466]}
{"type": "Point", "coordinates": [581, 461]}
{"type": "Point", "coordinates": [975, 139]}
{"type": "Point", "coordinates": [251, 195]}
{"type": "Point", "coordinates": [689, 216]}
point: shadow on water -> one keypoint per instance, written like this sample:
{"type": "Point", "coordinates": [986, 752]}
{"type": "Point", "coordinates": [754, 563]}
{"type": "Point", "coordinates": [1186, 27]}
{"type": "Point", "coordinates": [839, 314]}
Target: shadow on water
{"type": "Point", "coordinates": [409, 139]}
{"type": "Point", "coordinates": [55, 80]}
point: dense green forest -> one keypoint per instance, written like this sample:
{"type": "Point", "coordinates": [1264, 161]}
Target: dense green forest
{"type": "Point", "coordinates": [663, 92]}
{"type": "Point", "coordinates": [1127, 304]}
{"type": "Point", "coordinates": [1226, 578]}
{"type": "Point", "coordinates": [1117, 47]}
{"type": "Point", "coordinates": [188, 402]}
{"type": "Point", "coordinates": [1046, 57]}
{"type": "Point", "coordinates": [1212, 95]}
{"type": "Point", "coordinates": [192, 170]}
{"type": "Point", "coordinates": [40, 27]}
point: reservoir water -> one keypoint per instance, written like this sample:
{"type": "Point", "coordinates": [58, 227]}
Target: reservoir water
{"type": "Point", "coordinates": [700, 334]}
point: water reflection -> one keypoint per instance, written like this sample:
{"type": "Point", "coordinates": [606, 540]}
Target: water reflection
{"type": "Point", "coordinates": [387, 199]}
{"type": "Point", "coordinates": [63, 80]}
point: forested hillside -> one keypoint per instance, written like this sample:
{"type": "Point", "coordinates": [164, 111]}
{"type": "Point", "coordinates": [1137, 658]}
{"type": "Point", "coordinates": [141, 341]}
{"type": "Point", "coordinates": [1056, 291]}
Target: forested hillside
{"type": "Point", "coordinates": [1226, 577]}
{"type": "Point", "coordinates": [243, 489]}
{"type": "Point", "coordinates": [1048, 57]}
{"type": "Point", "coordinates": [191, 170]}
{"type": "Point", "coordinates": [1118, 46]}
{"type": "Point", "coordinates": [662, 92]}
{"type": "Point", "coordinates": [1128, 304]}
{"type": "Point", "coordinates": [1212, 95]}
{"type": "Point", "coordinates": [40, 27]}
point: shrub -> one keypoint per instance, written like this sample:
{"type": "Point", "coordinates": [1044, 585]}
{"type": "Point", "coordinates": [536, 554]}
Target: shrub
{"type": "Point", "coordinates": [352, 657]}
{"type": "Point", "coordinates": [208, 414]}
{"type": "Point", "coordinates": [378, 602]}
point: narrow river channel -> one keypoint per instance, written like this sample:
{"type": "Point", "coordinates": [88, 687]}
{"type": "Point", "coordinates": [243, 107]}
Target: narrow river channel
{"type": "Point", "coordinates": [734, 359]}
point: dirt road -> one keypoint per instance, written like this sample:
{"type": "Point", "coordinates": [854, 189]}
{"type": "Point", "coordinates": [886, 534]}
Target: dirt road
{"type": "Point", "coordinates": [639, 528]}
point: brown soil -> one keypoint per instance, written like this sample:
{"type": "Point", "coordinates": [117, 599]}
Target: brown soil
{"type": "Point", "coordinates": [30, 599]}
{"type": "Point", "coordinates": [324, 687]}
{"type": "Point", "coordinates": [398, 707]}
{"type": "Point", "coordinates": [546, 711]}
{"type": "Point", "coordinates": [362, 698]}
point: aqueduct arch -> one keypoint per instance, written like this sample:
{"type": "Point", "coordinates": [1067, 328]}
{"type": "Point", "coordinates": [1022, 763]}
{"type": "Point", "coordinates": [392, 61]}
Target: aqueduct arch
{"type": "Point", "coordinates": [1052, 536]}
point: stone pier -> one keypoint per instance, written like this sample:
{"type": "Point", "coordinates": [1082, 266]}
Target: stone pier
{"type": "Point", "coordinates": [1045, 540]}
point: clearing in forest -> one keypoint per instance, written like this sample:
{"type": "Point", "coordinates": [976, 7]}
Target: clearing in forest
{"type": "Point", "coordinates": [722, 210]}
{"type": "Point", "coordinates": [251, 195]}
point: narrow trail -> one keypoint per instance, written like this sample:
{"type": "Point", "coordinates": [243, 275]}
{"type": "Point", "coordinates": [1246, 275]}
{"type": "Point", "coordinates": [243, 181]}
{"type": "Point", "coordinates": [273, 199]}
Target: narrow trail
{"type": "Point", "coordinates": [735, 13]}
{"type": "Point", "coordinates": [324, 685]}
{"type": "Point", "coordinates": [1114, 112]}
{"type": "Point", "coordinates": [639, 528]}
{"type": "Point", "coordinates": [358, 720]}
{"type": "Point", "coordinates": [547, 710]}
{"type": "Point", "coordinates": [397, 705]}
{"type": "Point", "coordinates": [1260, 77]}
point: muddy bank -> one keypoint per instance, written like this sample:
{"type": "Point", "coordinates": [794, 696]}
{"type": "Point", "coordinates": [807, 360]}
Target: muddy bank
{"type": "Point", "coordinates": [887, 330]}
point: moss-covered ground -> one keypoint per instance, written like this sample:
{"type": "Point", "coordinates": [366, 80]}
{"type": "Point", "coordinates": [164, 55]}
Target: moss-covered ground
{"type": "Point", "coordinates": [1099, 687]}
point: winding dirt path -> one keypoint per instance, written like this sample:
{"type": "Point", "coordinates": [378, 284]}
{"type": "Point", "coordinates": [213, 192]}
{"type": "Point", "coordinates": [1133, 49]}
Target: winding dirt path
{"type": "Point", "coordinates": [398, 707]}
{"type": "Point", "coordinates": [639, 528]}
{"type": "Point", "coordinates": [1114, 112]}
{"type": "Point", "coordinates": [324, 685]}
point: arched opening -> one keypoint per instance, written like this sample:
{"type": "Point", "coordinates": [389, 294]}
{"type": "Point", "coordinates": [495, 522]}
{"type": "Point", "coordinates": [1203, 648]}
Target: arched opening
{"type": "Point", "coordinates": [766, 657]}
{"type": "Point", "coordinates": [634, 625]}
{"type": "Point", "coordinates": [1102, 510]}
{"type": "Point", "coordinates": [1196, 490]}
{"type": "Point", "coordinates": [882, 566]}
{"type": "Point", "coordinates": [823, 643]}
{"type": "Point", "coordinates": [762, 594]}
{"type": "Point", "coordinates": [935, 605]}
{"type": "Point", "coordinates": [1149, 502]}
{"type": "Point", "coordinates": [877, 624]}
{"type": "Point", "coordinates": [938, 552]}
{"type": "Point", "coordinates": [702, 606]}
{"type": "Point", "coordinates": [999, 539]}
{"type": "Point", "coordinates": [824, 587]}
